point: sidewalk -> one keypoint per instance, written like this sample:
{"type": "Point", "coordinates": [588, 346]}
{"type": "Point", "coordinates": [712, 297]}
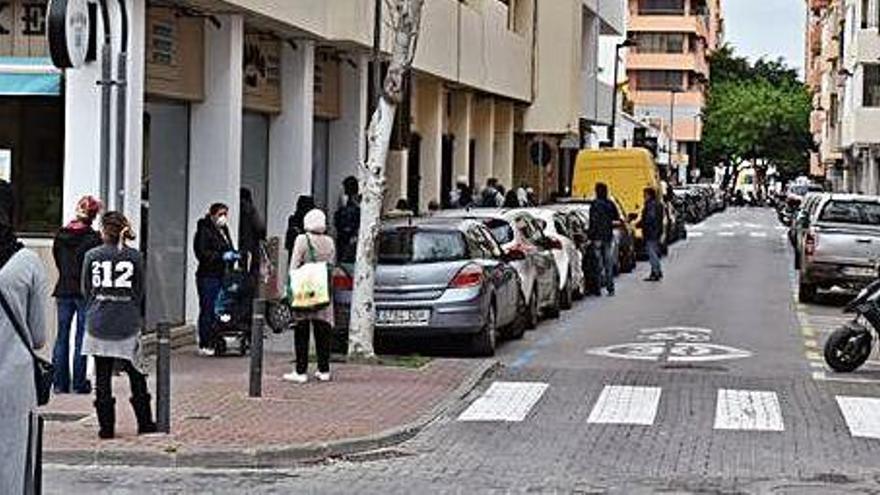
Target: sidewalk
{"type": "Point", "coordinates": [215, 423]}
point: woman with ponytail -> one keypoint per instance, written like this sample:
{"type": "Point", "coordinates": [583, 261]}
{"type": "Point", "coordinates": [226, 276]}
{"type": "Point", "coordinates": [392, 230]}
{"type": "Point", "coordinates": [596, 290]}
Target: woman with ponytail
{"type": "Point", "coordinates": [113, 285]}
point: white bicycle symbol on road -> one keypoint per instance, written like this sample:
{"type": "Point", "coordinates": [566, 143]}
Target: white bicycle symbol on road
{"type": "Point", "coordinates": [672, 344]}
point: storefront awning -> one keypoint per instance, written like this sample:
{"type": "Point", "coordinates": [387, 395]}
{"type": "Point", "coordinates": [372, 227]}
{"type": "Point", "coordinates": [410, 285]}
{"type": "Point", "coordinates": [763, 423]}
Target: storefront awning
{"type": "Point", "coordinates": [25, 76]}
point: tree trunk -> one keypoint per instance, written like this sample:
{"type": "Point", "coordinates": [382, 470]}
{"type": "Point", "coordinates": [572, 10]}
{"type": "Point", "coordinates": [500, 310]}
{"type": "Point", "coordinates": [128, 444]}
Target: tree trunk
{"type": "Point", "coordinates": [406, 18]}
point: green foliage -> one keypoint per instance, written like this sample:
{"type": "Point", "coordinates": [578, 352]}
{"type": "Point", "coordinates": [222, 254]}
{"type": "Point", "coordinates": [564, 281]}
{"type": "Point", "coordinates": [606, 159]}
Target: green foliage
{"type": "Point", "coordinates": [758, 112]}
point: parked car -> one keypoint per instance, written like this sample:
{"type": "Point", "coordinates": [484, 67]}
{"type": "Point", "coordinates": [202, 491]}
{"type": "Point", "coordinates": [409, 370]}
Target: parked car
{"type": "Point", "coordinates": [578, 217]}
{"type": "Point", "coordinates": [440, 278]}
{"type": "Point", "coordinates": [624, 234]}
{"type": "Point", "coordinates": [801, 223]}
{"type": "Point", "coordinates": [518, 231]}
{"type": "Point", "coordinates": [842, 244]}
{"type": "Point", "coordinates": [568, 257]}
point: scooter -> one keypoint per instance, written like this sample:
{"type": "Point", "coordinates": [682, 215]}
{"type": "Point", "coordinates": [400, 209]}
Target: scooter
{"type": "Point", "coordinates": [849, 346]}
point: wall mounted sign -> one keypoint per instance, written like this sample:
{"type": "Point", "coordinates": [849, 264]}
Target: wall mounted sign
{"type": "Point", "coordinates": [23, 28]}
{"type": "Point", "coordinates": [69, 28]}
{"type": "Point", "coordinates": [326, 85]}
{"type": "Point", "coordinates": [175, 47]}
{"type": "Point", "coordinates": [262, 73]}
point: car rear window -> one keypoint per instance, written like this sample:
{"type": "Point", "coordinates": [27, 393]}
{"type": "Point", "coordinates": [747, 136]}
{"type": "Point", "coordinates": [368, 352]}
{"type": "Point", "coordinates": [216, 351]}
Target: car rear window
{"type": "Point", "coordinates": [409, 245]}
{"type": "Point", "coordinates": [855, 212]}
{"type": "Point", "coordinates": [500, 229]}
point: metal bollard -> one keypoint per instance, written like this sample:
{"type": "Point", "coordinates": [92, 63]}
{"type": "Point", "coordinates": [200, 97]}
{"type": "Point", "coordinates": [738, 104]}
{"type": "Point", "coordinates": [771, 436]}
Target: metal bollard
{"type": "Point", "coordinates": [163, 377]}
{"type": "Point", "coordinates": [256, 375]}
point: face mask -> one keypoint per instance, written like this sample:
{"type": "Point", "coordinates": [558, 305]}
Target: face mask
{"type": "Point", "coordinates": [222, 221]}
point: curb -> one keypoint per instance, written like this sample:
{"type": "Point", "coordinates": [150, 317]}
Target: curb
{"type": "Point", "coordinates": [286, 456]}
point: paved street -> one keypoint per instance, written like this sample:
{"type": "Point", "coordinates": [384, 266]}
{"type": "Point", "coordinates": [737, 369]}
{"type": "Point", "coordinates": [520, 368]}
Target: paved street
{"type": "Point", "coordinates": [710, 382]}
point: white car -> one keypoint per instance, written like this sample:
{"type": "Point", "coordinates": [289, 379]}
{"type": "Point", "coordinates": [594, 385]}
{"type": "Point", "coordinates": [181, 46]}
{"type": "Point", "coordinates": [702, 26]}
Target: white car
{"type": "Point", "coordinates": [569, 259]}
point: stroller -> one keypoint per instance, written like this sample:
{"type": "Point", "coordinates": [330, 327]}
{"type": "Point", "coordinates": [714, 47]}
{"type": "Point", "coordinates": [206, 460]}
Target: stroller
{"type": "Point", "coordinates": [231, 311]}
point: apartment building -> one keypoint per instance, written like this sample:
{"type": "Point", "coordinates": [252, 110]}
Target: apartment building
{"type": "Point", "coordinates": [275, 97]}
{"type": "Point", "coordinates": [668, 70]}
{"type": "Point", "coordinates": [844, 73]}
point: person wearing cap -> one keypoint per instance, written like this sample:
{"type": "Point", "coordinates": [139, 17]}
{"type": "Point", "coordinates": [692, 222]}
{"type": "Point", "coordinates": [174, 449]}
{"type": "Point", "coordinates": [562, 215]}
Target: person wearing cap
{"type": "Point", "coordinates": [24, 285]}
{"type": "Point", "coordinates": [313, 246]}
{"type": "Point", "coordinates": [69, 247]}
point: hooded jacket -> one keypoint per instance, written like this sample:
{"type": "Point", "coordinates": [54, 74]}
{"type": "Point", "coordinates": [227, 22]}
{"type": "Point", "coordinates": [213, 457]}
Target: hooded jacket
{"type": "Point", "coordinates": [209, 245]}
{"type": "Point", "coordinates": [69, 248]}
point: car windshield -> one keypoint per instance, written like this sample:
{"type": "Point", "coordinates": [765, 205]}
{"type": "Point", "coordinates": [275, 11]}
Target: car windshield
{"type": "Point", "coordinates": [856, 212]}
{"type": "Point", "coordinates": [411, 245]}
{"type": "Point", "coordinates": [501, 230]}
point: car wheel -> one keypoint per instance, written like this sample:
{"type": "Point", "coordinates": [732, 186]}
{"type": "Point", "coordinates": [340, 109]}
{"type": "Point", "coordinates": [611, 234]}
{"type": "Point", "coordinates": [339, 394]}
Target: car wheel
{"type": "Point", "coordinates": [565, 295]}
{"type": "Point", "coordinates": [806, 292]}
{"type": "Point", "coordinates": [532, 313]}
{"type": "Point", "coordinates": [517, 329]}
{"type": "Point", "coordinates": [484, 341]}
{"type": "Point", "coordinates": [553, 310]}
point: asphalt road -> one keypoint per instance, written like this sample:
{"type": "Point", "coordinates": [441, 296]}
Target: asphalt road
{"type": "Point", "coordinates": [709, 382]}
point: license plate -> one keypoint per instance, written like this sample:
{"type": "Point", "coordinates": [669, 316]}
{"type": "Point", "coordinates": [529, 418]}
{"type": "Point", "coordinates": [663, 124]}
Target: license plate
{"type": "Point", "coordinates": [403, 317]}
{"type": "Point", "coordinates": [859, 271]}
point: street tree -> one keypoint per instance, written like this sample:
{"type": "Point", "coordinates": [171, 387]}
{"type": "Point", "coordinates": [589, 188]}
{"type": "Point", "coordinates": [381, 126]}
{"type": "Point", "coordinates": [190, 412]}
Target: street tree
{"type": "Point", "coordinates": [757, 113]}
{"type": "Point", "coordinates": [405, 22]}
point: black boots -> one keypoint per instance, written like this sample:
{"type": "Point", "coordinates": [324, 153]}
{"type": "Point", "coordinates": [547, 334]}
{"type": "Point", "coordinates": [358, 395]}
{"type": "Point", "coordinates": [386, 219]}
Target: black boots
{"type": "Point", "coordinates": [141, 406]}
{"type": "Point", "coordinates": [106, 410]}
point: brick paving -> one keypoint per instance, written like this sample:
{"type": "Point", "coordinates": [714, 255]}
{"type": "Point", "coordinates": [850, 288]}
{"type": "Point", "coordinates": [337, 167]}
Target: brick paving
{"type": "Point", "coordinates": [211, 410]}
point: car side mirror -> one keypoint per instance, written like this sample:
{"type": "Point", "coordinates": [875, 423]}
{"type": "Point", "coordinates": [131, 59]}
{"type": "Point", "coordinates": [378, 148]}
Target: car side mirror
{"type": "Point", "coordinates": [514, 254]}
{"type": "Point", "coordinates": [632, 217]}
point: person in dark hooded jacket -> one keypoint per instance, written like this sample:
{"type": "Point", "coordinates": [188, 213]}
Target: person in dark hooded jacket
{"type": "Point", "coordinates": [69, 247]}
{"type": "Point", "coordinates": [214, 249]}
{"type": "Point", "coordinates": [304, 204]}
{"type": "Point", "coordinates": [251, 235]}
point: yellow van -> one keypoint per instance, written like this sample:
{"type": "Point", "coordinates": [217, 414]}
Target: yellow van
{"type": "Point", "coordinates": [626, 172]}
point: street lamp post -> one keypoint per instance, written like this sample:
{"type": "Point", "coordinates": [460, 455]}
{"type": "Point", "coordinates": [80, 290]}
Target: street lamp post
{"type": "Point", "coordinates": [672, 147]}
{"type": "Point", "coordinates": [624, 44]}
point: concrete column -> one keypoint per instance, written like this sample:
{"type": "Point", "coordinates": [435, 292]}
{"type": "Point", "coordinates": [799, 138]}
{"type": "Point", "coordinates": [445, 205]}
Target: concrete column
{"type": "Point", "coordinates": [430, 116]}
{"type": "Point", "coordinates": [133, 180]}
{"type": "Point", "coordinates": [348, 137]}
{"type": "Point", "coordinates": [503, 153]}
{"type": "Point", "coordinates": [215, 136]}
{"type": "Point", "coordinates": [484, 133]}
{"type": "Point", "coordinates": [395, 174]}
{"type": "Point", "coordinates": [460, 127]}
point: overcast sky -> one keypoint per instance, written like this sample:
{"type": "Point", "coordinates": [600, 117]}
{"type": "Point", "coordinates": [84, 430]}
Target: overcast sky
{"type": "Point", "coordinates": [770, 28]}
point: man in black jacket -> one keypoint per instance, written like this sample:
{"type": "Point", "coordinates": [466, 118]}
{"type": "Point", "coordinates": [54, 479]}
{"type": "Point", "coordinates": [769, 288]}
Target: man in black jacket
{"type": "Point", "coordinates": [69, 248]}
{"type": "Point", "coordinates": [348, 220]}
{"type": "Point", "coordinates": [251, 235]}
{"type": "Point", "coordinates": [603, 218]}
{"type": "Point", "coordinates": [213, 248]}
{"type": "Point", "coordinates": [652, 230]}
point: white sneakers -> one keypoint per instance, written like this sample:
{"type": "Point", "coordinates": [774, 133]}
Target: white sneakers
{"type": "Point", "coordinates": [206, 351]}
{"type": "Point", "coordinates": [295, 377]}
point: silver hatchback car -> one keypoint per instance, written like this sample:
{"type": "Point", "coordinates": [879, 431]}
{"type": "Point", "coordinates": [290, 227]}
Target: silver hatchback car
{"type": "Point", "coordinates": [438, 277]}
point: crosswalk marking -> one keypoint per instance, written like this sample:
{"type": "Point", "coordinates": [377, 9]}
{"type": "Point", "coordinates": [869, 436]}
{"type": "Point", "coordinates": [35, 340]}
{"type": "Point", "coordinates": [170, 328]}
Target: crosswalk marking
{"type": "Point", "coordinates": [862, 415]}
{"type": "Point", "coordinates": [748, 410]}
{"type": "Point", "coordinates": [696, 234]}
{"type": "Point", "coordinates": [626, 405]}
{"type": "Point", "coordinates": [758, 234]}
{"type": "Point", "coordinates": [726, 234]}
{"type": "Point", "coordinates": [505, 401]}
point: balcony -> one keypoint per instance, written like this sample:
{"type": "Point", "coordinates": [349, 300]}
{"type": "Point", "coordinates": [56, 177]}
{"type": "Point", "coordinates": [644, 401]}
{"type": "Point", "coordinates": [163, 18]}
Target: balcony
{"type": "Point", "coordinates": [650, 98]}
{"type": "Point", "coordinates": [691, 62]}
{"type": "Point", "coordinates": [691, 24]}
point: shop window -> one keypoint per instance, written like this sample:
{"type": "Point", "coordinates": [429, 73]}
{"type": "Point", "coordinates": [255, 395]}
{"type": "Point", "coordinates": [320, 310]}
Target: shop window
{"type": "Point", "coordinates": [32, 159]}
{"type": "Point", "coordinates": [871, 96]}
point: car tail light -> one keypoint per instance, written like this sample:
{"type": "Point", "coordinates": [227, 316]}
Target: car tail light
{"type": "Point", "coordinates": [342, 280]}
{"type": "Point", "coordinates": [811, 241]}
{"type": "Point", "coordinates": [554, 243]}
{"type": "Point", "coordinates": [469, 276]}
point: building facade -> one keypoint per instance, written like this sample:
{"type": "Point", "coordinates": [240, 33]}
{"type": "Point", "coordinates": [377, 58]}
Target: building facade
{"type": "Point", "coordinates": [275, 97]}
{"type": "Point", "coordinates": [668, 69]}
{"type": "Point", "coordinates": [844, 73]}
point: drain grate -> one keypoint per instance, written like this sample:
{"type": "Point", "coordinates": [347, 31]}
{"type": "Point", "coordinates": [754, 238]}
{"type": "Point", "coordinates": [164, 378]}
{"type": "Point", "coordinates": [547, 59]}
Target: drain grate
{"type": "Point", "coordinates": [694, 367]}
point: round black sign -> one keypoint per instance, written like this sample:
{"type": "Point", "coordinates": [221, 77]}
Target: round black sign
{"type": "Point", "coordinates": [68, 31]}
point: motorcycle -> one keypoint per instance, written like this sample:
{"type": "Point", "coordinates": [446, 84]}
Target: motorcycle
{"type": "Point", "coordinates": [849, 346]}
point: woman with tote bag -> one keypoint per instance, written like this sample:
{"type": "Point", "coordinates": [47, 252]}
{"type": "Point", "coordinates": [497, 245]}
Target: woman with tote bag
{"type": "Point", "coordinates": [314, 247]}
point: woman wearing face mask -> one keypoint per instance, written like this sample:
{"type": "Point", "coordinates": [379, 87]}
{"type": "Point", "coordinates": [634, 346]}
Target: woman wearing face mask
{"type": "Point", "coordinates": [213, 248]}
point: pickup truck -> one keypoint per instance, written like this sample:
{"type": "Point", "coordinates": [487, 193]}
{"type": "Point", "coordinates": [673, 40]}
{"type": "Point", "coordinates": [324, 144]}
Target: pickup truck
{"type": "Point", "coordinates": [842, 244]}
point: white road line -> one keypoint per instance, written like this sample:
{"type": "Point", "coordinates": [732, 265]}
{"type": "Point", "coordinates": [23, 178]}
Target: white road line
{"type": "Point", "coordinates": [726, 234]}
{"type": "Point", "coordinates": [505, 401]}
{"type": "Point", "coordinates": [624, 405]}
{"type": "Point", "coordinates": [696, 234]}
{"type": "Point", "coordinates": [748, 410]}
{"type": "Point", "coordinates": [862, 415]}
{"type": "Point", "coordinates": [757, 234]}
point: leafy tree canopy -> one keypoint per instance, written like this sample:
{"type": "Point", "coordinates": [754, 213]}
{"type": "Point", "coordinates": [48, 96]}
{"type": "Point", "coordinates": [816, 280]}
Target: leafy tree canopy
{"type": "Point", "coordinates": [758, 112]}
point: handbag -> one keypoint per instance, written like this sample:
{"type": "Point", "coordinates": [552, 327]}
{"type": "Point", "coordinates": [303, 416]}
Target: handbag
{"type": "Point", "coordinates": [310, 283]}
{"type": "Point", "coordinates": [43, 370]}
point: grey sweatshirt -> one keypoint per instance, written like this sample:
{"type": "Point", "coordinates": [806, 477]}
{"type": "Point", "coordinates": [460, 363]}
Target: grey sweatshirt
{"type": "Point", "coordinates": [113, 285]}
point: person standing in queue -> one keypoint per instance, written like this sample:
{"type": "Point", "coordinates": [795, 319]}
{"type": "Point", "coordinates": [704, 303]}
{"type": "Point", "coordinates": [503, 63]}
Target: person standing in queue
{"type": "Point", "coordinates": [24, 285]}
{"type": "Point", "coordinates": [251, 235]}
{"type": "Point", "coordinates": [68, 249]}
{"type": "Point", "coordinates": [652, 230]}
{"type": "Point", "coordinates": [304, 204]}
{"type": "Point", "coordinates": [347, 220]}
{"type": "Point", "coordinates": [214, 249]}
{"type": "Point", "coordinates": [313, 246]}
{"type": "Point", "coordinates": [113, 284]}
{"type": "Point", "coordinates": [603, 218]}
